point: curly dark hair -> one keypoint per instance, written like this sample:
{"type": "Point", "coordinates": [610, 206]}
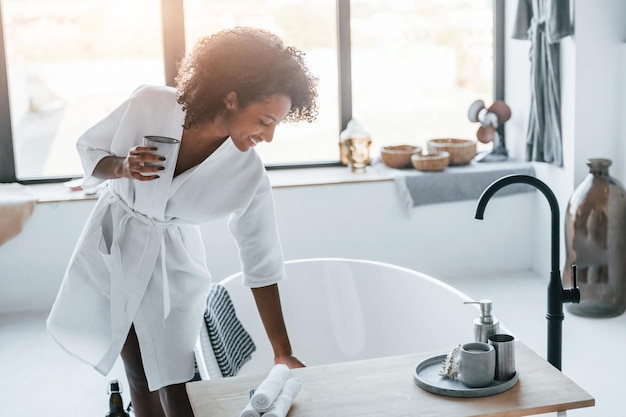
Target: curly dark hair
{"type": "Point", "coordinates": [253, 63]}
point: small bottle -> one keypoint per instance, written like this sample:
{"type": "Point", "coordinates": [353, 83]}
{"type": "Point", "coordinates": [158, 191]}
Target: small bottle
{"type": "Point", "coordinates": [116, 404]}
{"type": "Point", "coordinates": [485, 325]}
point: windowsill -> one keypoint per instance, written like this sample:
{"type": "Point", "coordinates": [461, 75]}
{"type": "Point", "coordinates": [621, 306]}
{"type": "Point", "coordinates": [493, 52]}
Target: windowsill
{"type": "Point", "coordinates": [299, 177]}
{"type": "Point", "coordinates": [282, 178]}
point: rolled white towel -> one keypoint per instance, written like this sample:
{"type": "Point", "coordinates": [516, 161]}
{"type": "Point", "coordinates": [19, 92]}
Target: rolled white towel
{"type": "Point", "coordinates": [281, 406]}
{"type": "Point", "coordinates": [269, 389]}
{"type": "Point", "coordinates": [249, 411]}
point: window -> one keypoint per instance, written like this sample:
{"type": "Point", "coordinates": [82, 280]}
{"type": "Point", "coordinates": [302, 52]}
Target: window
{"type": "Point", "coordinates": [406, 70]}
{"type": "Point", "coordinates": [67, 67]}
{"type": "Point", "coordinates": [418, 65]}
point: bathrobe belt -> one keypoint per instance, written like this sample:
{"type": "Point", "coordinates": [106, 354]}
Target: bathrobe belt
{"type": "Point", "coordinates": [119, 298]}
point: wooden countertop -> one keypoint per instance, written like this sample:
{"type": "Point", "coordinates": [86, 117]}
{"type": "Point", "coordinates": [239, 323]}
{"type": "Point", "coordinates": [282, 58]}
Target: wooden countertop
{"type": "Point", "coordinates": [385, 387]}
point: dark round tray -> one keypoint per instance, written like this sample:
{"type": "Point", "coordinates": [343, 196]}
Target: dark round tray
{"type": "Point", "coordinates": [426, 376]}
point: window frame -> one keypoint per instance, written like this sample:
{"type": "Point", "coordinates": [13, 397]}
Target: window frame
{"type": "Point", "coordinates": [174, 50]}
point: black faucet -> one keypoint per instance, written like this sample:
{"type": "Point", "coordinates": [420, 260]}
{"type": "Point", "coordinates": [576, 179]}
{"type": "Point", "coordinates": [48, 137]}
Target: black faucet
{"type": "Point", "coordinates": [557, 296]}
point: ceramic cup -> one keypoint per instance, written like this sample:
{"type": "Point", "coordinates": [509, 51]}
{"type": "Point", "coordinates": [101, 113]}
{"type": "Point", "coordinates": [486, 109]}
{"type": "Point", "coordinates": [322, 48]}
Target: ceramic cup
{"type": "Point", "coordinates": [478, 364]}
{"type": "Point", "coordinates": [504, 345]}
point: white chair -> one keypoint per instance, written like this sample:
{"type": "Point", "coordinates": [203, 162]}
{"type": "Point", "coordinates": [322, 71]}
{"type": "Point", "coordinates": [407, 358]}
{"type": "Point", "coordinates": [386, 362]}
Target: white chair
{"type": "Point", "coordinates": [340, 310]}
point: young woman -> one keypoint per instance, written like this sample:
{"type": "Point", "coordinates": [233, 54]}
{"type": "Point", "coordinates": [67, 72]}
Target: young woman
{"type": "Point", "coordinates": [137, 282]}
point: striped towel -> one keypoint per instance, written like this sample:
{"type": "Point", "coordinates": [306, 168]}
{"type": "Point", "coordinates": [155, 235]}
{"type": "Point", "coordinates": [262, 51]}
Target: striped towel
{"type": "Point", "coordinates": [231, 343]}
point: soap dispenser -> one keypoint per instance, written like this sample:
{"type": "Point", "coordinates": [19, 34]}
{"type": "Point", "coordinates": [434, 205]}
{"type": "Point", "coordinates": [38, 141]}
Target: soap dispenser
{"type": "Point", "coordinates": [485, 325]}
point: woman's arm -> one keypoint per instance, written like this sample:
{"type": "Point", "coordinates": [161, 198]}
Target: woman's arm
{"type": "Point", "coordinates": [268, 303]}
{"type": "Point", "coordinates": [109, 167]}
{"type": "Point", "coordinates": [96, 146]}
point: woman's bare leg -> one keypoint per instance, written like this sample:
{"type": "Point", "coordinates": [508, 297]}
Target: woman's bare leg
{"type": "Point", "coordinates": [175, 401]}
{"type": "Point", "coordinates": [145, 402]}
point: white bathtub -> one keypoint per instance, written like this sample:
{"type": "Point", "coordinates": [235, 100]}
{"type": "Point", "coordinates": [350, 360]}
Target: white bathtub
{"type": "Point", "coordinates": [342, 309]}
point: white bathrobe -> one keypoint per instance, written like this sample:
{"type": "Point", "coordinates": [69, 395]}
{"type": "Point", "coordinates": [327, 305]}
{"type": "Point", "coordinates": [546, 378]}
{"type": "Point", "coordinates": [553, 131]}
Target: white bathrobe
{"type": "Point", "coordinates": [149, 269]}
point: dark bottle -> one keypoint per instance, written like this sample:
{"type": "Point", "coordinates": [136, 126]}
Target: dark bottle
{"type": "Point", "coordinates": [116, 404]}
{"type": "Point", "coordinates": [595, 235]}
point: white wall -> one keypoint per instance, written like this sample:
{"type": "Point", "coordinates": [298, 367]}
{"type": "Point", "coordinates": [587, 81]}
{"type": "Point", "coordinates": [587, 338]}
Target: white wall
{"type": "Point", "coordinates": [364, 220]}
{"type": "Point", "coordinates": [593, 88]}
{"type": "Point", "coordinates": [600, 35]}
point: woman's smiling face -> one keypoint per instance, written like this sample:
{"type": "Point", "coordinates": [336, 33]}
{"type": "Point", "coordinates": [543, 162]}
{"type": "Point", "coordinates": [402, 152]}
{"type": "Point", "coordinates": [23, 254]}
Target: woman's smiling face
{"type": "Point", "coordinates": [256, 122]}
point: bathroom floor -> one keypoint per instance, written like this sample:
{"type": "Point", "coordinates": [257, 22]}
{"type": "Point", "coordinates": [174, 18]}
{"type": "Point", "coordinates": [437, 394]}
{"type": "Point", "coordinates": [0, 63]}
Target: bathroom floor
{"type": "Point", "coordinates": [38, 378]}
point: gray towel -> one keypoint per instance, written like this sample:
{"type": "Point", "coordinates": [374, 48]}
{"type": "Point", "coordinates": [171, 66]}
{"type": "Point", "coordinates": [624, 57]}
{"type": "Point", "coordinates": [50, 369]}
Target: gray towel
{"type": "Point", "coordinates": [544, 23]}
{"type": "Point", "coordinates": [553, 15]}
{"type": "Point", "coordinates": [232, 345]}
{"type": "Point", "coordinates": [459, 183]}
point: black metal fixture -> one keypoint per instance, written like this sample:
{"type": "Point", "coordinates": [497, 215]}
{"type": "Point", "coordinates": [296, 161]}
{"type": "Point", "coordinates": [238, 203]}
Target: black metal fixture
{"type": "Point", "coordinates": [557, 296]}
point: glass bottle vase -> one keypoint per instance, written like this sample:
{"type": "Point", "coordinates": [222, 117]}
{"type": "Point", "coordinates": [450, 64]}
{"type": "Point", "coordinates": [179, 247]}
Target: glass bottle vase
{"type": "Point", "coordinates": [595, 237]}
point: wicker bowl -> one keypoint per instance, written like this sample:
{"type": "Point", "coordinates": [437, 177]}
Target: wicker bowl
{"type": "Point", "coordinates": [398, 156]}
{"type": "Point", "coordinates": [461, 151]}
{"type": "Point", "coordinates": [436, 161]}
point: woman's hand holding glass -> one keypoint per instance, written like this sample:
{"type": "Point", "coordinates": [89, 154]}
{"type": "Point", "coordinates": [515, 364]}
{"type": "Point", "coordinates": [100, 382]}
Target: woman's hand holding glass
{"type": "Point", "coordinates": [143, 164]}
